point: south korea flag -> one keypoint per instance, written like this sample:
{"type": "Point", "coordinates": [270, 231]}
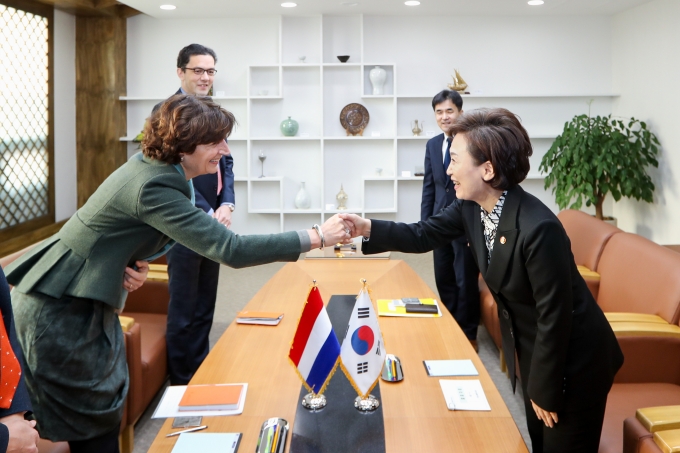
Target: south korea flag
{"type": "Point", "coordinates": [363, 351]}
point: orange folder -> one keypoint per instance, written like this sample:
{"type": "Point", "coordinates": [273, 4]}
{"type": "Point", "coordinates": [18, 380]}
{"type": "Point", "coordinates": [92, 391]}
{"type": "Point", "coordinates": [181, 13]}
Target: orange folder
{"type": "Point", "coordinates": [212, 397]}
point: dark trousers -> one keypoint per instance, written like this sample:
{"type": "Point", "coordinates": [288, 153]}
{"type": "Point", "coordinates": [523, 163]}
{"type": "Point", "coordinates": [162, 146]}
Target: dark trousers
{"type": "Point", "coordinates": [193, 290]}
{"type": "Point", "coordinates": [107, 443]}
{"type": "Point", "coordinates": [577, 431]}
{"type": "Point", "coordinates": [456, 274]}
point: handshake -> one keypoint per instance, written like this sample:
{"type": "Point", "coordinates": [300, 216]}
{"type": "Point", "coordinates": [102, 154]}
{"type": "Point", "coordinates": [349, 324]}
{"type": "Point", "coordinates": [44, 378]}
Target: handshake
{"type": "Point", "coordinates": [340, 229]}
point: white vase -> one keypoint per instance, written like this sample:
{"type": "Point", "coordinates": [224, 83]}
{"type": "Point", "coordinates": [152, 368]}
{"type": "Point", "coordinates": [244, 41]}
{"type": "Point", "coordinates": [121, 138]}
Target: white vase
{"type": "Point", "coordinates": [377, 76]}
{"type": "Point", "coordinates": [302, 200]}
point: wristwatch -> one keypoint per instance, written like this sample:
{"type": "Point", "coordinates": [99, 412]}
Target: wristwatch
{"type": "Point", "coordinates": [231, 206]}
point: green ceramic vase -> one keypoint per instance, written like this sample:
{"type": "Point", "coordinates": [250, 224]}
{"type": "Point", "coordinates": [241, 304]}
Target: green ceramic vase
{"type": "Point", "coordinates": [289, 127]}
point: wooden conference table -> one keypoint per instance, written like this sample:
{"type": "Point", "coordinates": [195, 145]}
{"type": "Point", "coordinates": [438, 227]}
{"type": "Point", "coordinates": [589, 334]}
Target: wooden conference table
{"type": "Point", "coordinates": [415, 413]}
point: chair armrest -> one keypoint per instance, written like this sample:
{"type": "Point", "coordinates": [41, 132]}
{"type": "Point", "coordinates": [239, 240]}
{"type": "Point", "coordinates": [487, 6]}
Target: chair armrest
{"type": "Point", "coordinates": [645, 329]}
{"type": "Point", "coordinates": [668, 441]}
{"type": "Point", "coordinates": [660, 418]}
{"type": "Point", "coordinates": [133, 342]}
{"type": "Point", "coordinates": [634, 317]}
{"type": "Point", "coordinates": [152, 297]}
{"type": "Point", "coordinates": [649, 359]}
{"type": "Point", "coordinates": [634, 434]}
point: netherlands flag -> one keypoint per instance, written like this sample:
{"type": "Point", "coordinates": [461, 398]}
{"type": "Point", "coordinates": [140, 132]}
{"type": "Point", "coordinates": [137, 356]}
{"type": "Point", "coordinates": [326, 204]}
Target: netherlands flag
{"type": "Point", "coordinates": [315, 349]}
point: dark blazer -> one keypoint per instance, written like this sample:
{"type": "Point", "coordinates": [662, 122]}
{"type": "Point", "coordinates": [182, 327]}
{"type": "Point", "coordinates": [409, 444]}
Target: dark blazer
{"type": "Point", "coordinates": [568, 354]}
{"type": "Point", "coordinates": [205, 186]}
{"type": "Point", "coordinates": [21, 401]}
{"type": "Point", "coordinates": [438, 190]}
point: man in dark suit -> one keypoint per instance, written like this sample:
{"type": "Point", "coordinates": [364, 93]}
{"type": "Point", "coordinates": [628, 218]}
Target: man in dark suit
{"type": "Point", "coordinates": [16, 433]}
{"type": "Point", "coordinates": [455, 270]}
{"type": "Point", "coordinates": [193, 278]}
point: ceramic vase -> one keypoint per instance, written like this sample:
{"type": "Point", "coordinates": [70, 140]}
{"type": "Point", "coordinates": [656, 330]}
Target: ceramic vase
{"type": "Point", "coordinates": [302, 200]}
{"type": "Point", "coordinates": [289, 127]}
{"type": "Point", "coordinates": [377, 76]}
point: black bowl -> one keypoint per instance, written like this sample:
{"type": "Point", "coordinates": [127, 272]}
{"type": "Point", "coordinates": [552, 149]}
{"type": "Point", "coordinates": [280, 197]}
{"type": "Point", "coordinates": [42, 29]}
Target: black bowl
{"type": "Point", "coordinates": [343, 58]}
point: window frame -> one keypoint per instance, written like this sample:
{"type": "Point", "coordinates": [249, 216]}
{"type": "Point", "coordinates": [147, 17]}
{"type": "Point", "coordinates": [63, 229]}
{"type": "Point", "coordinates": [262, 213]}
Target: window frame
{"type": "Point", "coordinates": [46, 11]}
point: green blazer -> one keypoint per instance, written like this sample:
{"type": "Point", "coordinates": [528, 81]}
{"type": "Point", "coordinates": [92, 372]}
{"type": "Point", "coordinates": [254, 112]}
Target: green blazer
{"type": "Point", "coordinates": [132, 215]}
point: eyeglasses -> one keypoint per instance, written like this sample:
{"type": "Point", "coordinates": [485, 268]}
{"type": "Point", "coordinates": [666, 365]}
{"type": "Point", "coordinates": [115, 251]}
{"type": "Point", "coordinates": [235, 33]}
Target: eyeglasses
{"type": "Point", "coordinates": [200, 71]}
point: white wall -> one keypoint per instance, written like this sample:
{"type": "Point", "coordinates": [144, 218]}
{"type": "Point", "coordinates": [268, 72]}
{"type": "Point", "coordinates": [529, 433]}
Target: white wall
{"type": "Point", "coordinates": [64, 115]}
{"type": "Point", "coordinates": [645, 71]}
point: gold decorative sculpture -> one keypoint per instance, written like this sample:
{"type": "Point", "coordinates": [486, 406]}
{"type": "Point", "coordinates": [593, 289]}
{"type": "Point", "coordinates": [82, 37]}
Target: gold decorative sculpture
{"type": "Point", "coordinates": [417, 130]}
{"type": "Point", "coordinates": [342, 199]}
{"type": "Point", "coordinates": [458, 83]}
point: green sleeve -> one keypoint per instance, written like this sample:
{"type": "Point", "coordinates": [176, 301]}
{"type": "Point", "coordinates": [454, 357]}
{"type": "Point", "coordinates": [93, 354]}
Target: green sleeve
{"type": "Point", "coordinates": [162, 205]}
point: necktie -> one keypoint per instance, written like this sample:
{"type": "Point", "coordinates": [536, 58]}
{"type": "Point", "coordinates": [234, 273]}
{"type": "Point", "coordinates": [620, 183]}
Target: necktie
{"type": "Point", "coordinates": [447, 157]}
{"type": "Point", "coordinates": [10, 373]}
{"type": "Point", "coordinates": [219, 180]}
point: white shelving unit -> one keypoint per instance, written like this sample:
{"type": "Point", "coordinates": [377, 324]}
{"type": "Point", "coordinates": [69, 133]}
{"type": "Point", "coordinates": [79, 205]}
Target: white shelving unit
{"type": "Point", "coordinates": [369, 168]}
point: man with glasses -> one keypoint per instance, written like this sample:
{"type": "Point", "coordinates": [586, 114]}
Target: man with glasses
{"type": "Point", "coordinates": [193, 278]}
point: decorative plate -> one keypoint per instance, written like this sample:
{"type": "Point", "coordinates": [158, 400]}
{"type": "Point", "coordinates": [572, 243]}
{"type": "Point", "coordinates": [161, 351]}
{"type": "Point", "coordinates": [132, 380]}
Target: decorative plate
{"type": "Point", "coordinates": [354, 118]}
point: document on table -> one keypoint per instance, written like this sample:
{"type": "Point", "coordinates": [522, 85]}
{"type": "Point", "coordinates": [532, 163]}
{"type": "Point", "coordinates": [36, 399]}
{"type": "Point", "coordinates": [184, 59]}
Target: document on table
{"type": "Point", "coordinates": [450, 368]}
{"type": "Point", "coordinates": [207, 443]}
{"type": "Point", "coordinates": [169, 404]}
{"type": "Point", "coordinates": [464, 395]}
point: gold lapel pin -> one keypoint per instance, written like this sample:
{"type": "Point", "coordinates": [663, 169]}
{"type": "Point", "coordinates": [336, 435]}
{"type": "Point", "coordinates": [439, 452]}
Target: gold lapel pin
{"type": "Point", "coordinates": [503, 240]}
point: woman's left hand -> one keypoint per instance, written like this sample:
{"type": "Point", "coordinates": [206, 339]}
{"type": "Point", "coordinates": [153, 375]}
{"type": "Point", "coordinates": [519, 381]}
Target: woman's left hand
{"type": "Point", "coordinates": [134, 279]}
{"type": "Point", "coordinates": [549, 418]}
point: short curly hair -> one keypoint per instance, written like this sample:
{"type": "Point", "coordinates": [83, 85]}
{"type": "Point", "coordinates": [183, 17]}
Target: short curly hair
{"type": "Point", "coordinates": [182, 123]}
{"type": "Point", "coordinates": [496, 136]}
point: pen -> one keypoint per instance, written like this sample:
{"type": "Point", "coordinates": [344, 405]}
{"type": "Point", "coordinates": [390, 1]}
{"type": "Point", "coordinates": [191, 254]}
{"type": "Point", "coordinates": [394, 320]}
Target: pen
{"type": "Point", "coordinates": [190, 430]}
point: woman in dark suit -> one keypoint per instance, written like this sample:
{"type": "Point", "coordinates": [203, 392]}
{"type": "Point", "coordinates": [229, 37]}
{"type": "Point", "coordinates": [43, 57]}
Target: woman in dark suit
{"type": "Point", "coordinates": [69, 288]}
{"type": "Point", "coordinates": [568, 354]}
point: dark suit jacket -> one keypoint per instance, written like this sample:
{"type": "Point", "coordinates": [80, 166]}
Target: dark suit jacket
{"type": "Point", "coordinates": [205, 186]}
{"type": "Point", "coordinates": [438, 190]}
{"type": "Point", "coordinates": [20, 402]}
{"type": "Point", "coordinates": [568, 354]}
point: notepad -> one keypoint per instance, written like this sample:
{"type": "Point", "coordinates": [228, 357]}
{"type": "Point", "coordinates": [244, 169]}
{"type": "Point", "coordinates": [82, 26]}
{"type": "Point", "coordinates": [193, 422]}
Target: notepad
{"type": "Point", "coordinates": [450, 368]}
{"type": "Point", "coordinates": [464, 395]}
{"type": "Point", "coordinates": [207, 443]}
{"type": "Point", "coordinates": [397, 307]}
{"type": "Point", "coordinates": [212, 397]}
{"type": "Point", "coordinates": [259, 317]}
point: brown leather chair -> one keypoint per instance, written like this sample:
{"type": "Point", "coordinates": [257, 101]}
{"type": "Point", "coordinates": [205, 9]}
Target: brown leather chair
{"type": "Point", "coordinates": [636, 438]}
{"type": "Point", "coordinates": [588, 237]}
{"type": "Point", "coordinates": [650, 376]}
{"type": "Point", "coordinates": [639, 276]}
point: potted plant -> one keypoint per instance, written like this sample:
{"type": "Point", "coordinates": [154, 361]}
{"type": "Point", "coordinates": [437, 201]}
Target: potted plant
{"type": "Point", "coordinates": [597, 155]}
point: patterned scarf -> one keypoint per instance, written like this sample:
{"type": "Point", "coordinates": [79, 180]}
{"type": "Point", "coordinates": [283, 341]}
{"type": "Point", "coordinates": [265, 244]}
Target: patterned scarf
{"type": "Point", "coordinates": [490, 222]}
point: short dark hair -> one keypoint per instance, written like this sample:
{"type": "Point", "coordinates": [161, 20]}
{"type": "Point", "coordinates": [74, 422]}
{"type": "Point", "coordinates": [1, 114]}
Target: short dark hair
{"type": "Point", "coordinates": [191, 50]}
{"type": "Point", "coordinates": [443, 95]}
{"type": "Point", "coordinates": [497, 136]}
{"type": "Point", "coordinates": [182, 123]}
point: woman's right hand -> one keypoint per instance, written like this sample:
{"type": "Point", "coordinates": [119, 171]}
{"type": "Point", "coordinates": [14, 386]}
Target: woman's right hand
{"type": "Point", "coordinates": [336, 231]}
{"type": "Point", "coordinates": [358, 225]}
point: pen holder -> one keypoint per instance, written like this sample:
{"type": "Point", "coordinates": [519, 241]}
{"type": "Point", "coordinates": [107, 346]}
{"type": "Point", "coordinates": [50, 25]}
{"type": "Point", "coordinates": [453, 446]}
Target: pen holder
{"type": "Point", "coordinates": [392, 371]}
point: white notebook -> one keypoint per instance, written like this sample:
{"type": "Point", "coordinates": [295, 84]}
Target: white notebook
{"type": "Point", "coordinates": [207, 443]}
{"type": "Point", "coordinates": [464, 395]}
{"type": "Point", "coordinates": [450, 368]}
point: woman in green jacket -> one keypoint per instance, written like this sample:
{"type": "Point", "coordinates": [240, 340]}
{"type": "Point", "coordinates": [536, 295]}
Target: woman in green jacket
{"type": "Point", "coordinates": [69, 289]}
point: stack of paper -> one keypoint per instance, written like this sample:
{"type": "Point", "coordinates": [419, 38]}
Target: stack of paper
{"type": "Point", "coordinates": [259, 317]}
{"type": "Point", "coordinates": [464, 395]}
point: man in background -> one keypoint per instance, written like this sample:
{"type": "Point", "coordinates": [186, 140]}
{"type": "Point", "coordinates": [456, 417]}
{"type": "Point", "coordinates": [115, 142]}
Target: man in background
{"type": "Point", "coordinates": [193, 278]}
{"type": "Point", "coordinates": [455, 270]}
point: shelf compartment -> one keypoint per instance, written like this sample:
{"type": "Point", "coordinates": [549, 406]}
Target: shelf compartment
{"type": "Point", "coordinates": [342, 35]}
{"type": "Point", "coordinates": [388, 86]}
{"type": "Point", "coordinates": [300, 36]}
{"type": "Point", "coordinates": [264, 195]}
{"type": "Point", "coordinates": [265, 78]}
{"type": "Point", "coordinates": [379, 195]}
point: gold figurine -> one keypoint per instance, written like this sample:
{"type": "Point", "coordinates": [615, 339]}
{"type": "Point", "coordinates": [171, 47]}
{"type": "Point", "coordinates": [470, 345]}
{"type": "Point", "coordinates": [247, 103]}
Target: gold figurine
{"type": "Point", "coordinates": [458, 83]}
